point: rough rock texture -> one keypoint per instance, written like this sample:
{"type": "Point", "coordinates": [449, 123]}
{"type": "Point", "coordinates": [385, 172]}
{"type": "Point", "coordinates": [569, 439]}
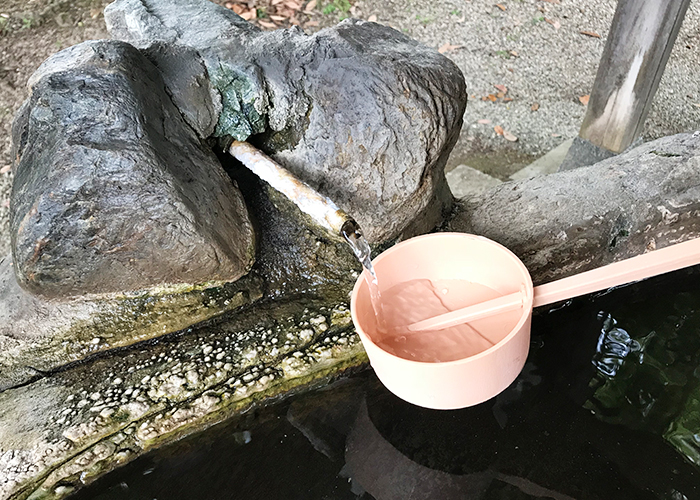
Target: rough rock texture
{"type": "Point", "coordinates": [68, 428]}
{"type": "Point", "coordinates": [359, 111]}
{"type": "Point", "coordinates": [113, 191]}
{"type": "Point", "coordinates": [294, 261]}
{"type": "Point", "coordinates": [39, 335]}
{"type": "Point", "coordinates": [567, 222]}
{"type": "Point", "coordinates": [88, 418]}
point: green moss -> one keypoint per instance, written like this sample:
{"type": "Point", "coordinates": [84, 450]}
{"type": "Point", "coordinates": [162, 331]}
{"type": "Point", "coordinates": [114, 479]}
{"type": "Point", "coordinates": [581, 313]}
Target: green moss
{"type": "Point", "coordinates": [242, 114]}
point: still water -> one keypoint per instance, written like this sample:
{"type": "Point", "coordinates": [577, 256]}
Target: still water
{"type": "Point", "coordinates": [607, 407]}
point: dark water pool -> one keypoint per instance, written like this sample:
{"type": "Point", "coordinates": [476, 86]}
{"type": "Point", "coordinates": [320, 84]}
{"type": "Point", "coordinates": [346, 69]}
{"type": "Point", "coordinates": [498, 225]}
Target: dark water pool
{"type": "Point", "coordinates": [607, 407]}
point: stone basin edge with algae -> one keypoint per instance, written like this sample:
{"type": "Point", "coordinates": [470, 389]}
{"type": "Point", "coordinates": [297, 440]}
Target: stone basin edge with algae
{"type": "Point", "coordinates": [40, 335]}
{"type": "Point", "coordinates": [66, 430]}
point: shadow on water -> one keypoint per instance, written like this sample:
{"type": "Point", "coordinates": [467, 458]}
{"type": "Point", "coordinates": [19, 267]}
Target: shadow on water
{"type": "Point", "coordinates": [608, 406]}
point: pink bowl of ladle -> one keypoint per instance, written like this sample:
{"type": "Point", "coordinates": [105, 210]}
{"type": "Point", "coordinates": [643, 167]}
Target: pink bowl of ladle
{"type": "Point", "coordinates": [455, 310]}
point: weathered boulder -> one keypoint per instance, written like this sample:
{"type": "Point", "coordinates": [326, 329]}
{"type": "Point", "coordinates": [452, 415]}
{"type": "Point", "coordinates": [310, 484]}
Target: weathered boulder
{"type": "Point", "coordinates": [359, 111]}
{"type": "Point", "coordinates": [113, 191]}
{"type": "Point", "coordinates": [564, 223]}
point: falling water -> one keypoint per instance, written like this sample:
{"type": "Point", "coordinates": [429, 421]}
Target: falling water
{"type": "Point", "coordinates": [353, 235]}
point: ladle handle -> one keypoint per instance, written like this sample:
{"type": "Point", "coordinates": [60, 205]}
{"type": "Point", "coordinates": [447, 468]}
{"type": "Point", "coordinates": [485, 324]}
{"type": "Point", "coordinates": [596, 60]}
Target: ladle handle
{"type": "Point", "coordinates": [650, 264]}
{"type": "Point", "coordinates": [670, 258]}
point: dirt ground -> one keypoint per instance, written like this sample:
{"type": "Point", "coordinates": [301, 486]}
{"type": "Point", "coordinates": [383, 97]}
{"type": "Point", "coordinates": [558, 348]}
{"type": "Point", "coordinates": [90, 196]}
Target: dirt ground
{"type": "Point", "coordinates": [526, 63]}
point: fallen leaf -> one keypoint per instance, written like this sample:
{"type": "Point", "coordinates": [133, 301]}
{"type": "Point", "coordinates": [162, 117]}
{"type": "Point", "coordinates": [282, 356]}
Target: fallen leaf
{"type": "Point", "coordinates": [483, 121]}
{"type": "Point", "coordinates": [310, 6]}
{"type": "Point", "coordinates": [693, 103]}
{"type": "Point", "coordinates": [556, 135]}
{"type": "Point", "coordinates": [592, 34]}
{"type": "Point", "coordinates": [513, 53]}
{"type": "Point", "coordinates": [484, 98]}
{"type": "Point", "coordinates": [372, 18]}
{"type": "Point", "coordinates": [292, 4]}
{"type": "Point", "coordinates": [354, 11]}
{"type": "Point", "coordinates": [492, 98]}
{"type": "Point", "coordinates": [584, 99]}
{"type": "Point", "coordinates": [553, 22]}
{"type": "Point", "coordinates": [498, 129]}
{"type": "Point", "coordinates": [238, 9]}
{"type": "Point", "coordinates": [268, 25]}
{"type": "Point", "coordinates": [276, 2]}
{"type": "Point", "coordinates": [500, 95]}
{"type": "Point", "coordinates": [279, 19]}
{"type": "Point", "coordinates": [5, 169]}
{"type": "Point", "coordinates": [311, 23]}
{"type": "Point", "coordinates": [502, 88]}
{"type": "Point", "coordinates": [507, 99]}
{"type": "Point", "coordinates": [501, 6]}
{"type": "Point", "coordinates": [448, 48]}
{"type": "Point", "coordinates": [509, 137]}
{"type": "Point", "coordinates": [251, 14]}
{"type": "Point", "coordinates": [534, 107]}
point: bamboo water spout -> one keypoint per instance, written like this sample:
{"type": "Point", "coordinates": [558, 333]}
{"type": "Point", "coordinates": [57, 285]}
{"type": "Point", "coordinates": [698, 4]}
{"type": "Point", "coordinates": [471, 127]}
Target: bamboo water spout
{"type": "Point", "coordinates": [320, 208]}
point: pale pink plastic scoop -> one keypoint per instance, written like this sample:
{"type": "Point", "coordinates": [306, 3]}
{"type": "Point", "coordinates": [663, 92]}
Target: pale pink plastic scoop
{"type": "Point", "coordinates": [636, 268]}
{"type": "Point", "coordinates": [466, 356]}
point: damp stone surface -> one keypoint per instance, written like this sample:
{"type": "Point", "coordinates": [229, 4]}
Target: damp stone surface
{"type": "Point", "coordinates": [113, 191]}
{"type": "Point", "coordinates": [63, 431]}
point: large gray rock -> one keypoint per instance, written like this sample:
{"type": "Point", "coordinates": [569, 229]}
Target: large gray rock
{"type": "Point", "coordinates": [359, 111]}
{"type": "Point", "coordinates": [113, 191]}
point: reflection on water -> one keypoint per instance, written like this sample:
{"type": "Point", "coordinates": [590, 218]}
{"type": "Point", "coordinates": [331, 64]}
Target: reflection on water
{"type": "Point", "coordinates": [607, 407]}
{"type": "Point", "coordinates": [614, 344]}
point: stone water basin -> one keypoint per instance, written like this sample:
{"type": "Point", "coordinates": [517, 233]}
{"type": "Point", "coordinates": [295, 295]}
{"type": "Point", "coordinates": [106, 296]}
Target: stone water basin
{"type": "Point", "coordinates": [606, 407]}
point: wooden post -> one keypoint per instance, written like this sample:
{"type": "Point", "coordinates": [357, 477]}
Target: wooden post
{"type": "Point", "coordinates": [638, 46]}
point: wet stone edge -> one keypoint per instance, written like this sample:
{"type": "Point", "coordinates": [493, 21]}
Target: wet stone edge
{"type": "Point", "coordinates": [103, 414]}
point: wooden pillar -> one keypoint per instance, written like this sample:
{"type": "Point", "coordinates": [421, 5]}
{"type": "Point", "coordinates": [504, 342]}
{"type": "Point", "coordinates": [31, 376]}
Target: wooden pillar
{"type": "Point", "coordinates": [638, 46]}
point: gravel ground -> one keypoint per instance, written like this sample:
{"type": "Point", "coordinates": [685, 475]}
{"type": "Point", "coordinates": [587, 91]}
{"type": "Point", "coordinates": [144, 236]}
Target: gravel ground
{"type": "Point", "coordinates": [532, 47]}
{"type": "Point", "coordinates": [553, 68]}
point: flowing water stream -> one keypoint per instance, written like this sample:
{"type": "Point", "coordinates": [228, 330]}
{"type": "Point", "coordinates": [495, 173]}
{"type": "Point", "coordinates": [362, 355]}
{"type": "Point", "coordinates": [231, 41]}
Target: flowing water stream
{"type": "Point", "coordinates": [353, 235]}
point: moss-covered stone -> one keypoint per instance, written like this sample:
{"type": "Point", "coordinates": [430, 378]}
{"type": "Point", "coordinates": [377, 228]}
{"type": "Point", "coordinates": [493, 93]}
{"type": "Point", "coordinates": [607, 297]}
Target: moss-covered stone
{"type": "Point", "coordinates": [243, 112]}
